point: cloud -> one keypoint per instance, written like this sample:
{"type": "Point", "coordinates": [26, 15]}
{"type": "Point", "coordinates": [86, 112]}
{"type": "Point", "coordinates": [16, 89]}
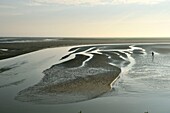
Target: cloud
{"type": "Point", "coordinates": [34, 4]}
{"type": "Point", "coordinates": [10, 14]}
{"type": "Point", "coordinates": [97, 2]}
{"type": "Point", "coordinates": [140, 1]}
{"type": "Point", "coordinates": [69, 2]}
{"type": "Point", "coordinates": [7, 7]}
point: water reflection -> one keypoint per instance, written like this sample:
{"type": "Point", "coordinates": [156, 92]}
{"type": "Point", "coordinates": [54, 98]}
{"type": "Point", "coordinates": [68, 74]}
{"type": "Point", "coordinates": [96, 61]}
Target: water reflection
{"type": "Point", "coordinates": [144, 88]}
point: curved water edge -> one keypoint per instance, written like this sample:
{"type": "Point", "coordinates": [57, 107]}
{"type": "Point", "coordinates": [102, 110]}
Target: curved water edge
{"type": "Point", "coordinates": [124, 70]}
{"type": "Point", "coordinates": [144, 86]}
{"type": "Point", "coordinates": [92, 72]}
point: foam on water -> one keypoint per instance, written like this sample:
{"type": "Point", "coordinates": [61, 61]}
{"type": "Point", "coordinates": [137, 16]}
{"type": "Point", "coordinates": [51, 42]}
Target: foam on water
{"type": "Point", "coordinates": [145, 75]}
{"type": "Point", "coordinates": [26, 40]}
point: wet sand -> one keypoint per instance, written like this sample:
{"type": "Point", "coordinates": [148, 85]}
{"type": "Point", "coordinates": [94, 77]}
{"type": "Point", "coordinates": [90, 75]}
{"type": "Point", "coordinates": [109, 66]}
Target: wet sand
{"type": "Point", "coordinates": [70, 81]}
{"type": "Point", "coordinates": [145, 86]}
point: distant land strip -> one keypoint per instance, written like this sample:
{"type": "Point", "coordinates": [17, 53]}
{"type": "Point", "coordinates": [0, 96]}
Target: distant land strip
{"type": "Point", "coordinates": [19, 48]}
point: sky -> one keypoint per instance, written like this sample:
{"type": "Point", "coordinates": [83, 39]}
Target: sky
{"type": "Point", "coordinates": [85, 18]}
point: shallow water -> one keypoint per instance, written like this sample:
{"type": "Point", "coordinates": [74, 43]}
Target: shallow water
{"type": "Point", "coordinates": [148, 75]}
{"type": "Point", "coordinates": [144, 84]}
{"type": "Point", "coordinates": [23, 40]}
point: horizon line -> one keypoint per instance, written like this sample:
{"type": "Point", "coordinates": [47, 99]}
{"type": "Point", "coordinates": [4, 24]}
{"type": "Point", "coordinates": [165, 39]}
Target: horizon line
{"type": "Point", "coordinates": [77, 37]}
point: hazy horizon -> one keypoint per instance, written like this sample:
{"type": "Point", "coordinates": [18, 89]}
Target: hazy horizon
{"type": "Point", "coordinates": [89, 18]}
{"type": "Point", "coordinates": [80, 37]}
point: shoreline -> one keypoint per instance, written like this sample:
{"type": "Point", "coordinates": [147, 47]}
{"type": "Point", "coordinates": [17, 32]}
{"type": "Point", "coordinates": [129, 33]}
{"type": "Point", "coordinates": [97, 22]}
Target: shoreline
{"type": "Point", "coordinates": [82, 77]}
{"type": "Point", "coordinates": [99, 76]}
{"type": "Point", "coordinates": [85, 83]}
{"type": "Point", "coordinates": [20, 48]}
{"type": "Point", "coordinates": [136, 94]}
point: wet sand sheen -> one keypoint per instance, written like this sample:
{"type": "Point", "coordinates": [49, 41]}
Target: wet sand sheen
{"type": "Point", "coordinates": [82, 83]}
{"type": "Point", "coordinates": [88, 75]}
{"type": "Point", "coordinates": [130, 91]}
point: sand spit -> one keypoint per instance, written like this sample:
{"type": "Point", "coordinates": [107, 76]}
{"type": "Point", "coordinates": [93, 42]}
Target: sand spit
{"type": "Point", "coordinates": [63, 82]}
{"type": "Point", "coordinates": [88, 75]}
{"type": "Point", "coordinates": [69, 81]}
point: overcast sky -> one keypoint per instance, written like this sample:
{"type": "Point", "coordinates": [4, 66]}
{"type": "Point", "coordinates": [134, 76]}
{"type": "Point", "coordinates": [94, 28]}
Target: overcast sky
{"type": "Point", "coordinates": [85, 18]}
